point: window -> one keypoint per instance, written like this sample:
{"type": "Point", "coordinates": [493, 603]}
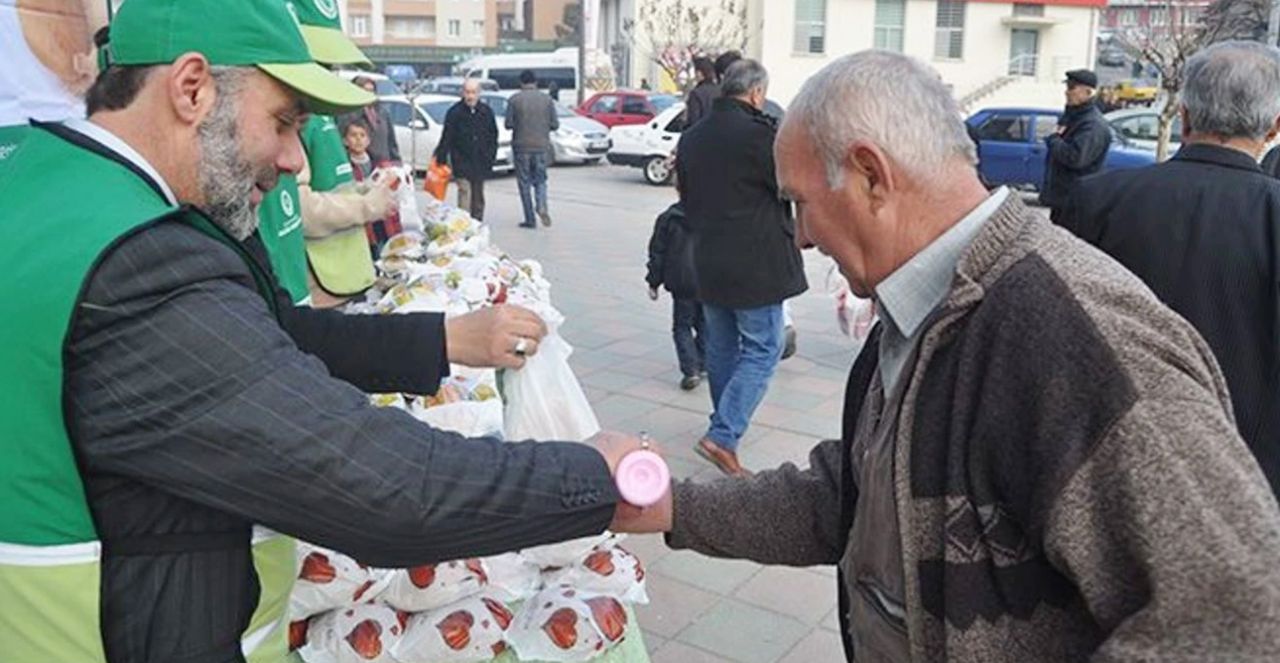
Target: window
{"type": "Point", "coordinates": [359, 25]}
{"type": "Point", "coordinates": [676, 125]}
{"type": "Point", "coordinates": [605, 105]}
{"type": "Point", "coordinates": [497, 103]}
{"type": "Point", "coordinates": [411, 27]}
{"type": "Point", "coordinates": [1046, 125]}
{"type": "Point", "coordinates": [1023, 9]}
{"type": "Point", "coordinates": [1159, 16]}
{"type": "Point", "coordinates": [437, 109]}
{"type": "Point", "coordinates": [635, 106]}
{"type": "Point", "coordinates": [508, 23]}
{"type": "Point", "coordinates": [455, 27]}
{"type": "Point", "coordinates": [1129, 17]}
{"type": "Point", "coordinates": [662, 102]}
{"type": "Point", "coordinates": [811, 26]}
{"type": "Point", "coordinates": [1005, 129]}
{"type": "Point", "coordinates": [891, 16]}
{"type": "Point", "coordinates": [400, 113]}
{"type": "Point", "coordinates": [509, 79]}
{"type": "Point", "coordinates": [477, 28]}
{"type": "Point", "coordinates": [949, 39]}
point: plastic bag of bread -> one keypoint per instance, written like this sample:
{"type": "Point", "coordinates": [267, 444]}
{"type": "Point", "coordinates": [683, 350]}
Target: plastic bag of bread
{"type": "Point", "coordinates": [329, 580]}
{"type": "Point", "coordinates": [472, 630]}
{"type": "Point", "coordinates": [563, 624]}
{"type": "Point", "coordinates": [512, 578]}
{"type": "Point", "coordinates": [359, 634]}
{"type": "Point", "coordinates": [566, 553]}
{"type": "Point", "coordinates": [433, 586]}
{"type": "Point", "coordinates": [612, 571]}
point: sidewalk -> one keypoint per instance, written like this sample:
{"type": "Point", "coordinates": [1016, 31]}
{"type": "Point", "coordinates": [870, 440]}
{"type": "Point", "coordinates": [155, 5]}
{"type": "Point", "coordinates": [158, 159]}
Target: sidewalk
{"type": "Point", "coordinates": [702, 610]}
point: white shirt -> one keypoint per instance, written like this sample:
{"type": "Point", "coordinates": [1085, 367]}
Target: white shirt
{"type": "Point", "coordinates": [113, 143]}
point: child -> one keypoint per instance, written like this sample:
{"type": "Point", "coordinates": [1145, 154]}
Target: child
{"type": "Point", "coordinates": [671, 264]}
{"type": "Point", "coordinates": [355, 135]}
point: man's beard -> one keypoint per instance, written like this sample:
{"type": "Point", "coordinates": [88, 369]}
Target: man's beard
{"type": "Point", "coordinates": [226, 177]}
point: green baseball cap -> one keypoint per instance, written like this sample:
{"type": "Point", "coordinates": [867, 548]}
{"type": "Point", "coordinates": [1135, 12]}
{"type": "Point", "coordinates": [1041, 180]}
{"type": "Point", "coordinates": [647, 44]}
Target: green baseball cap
{"type": "Point", "coordinates": [323, 32]}
{"type": "Point", "coordinates": [237, 33]}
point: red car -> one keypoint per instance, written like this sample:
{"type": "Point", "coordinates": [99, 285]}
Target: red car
{"type": "Point", "coordinates": [622, 107]}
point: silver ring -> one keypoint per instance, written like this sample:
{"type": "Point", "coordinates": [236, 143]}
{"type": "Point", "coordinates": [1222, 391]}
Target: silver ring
{"type": "Point", "coordinates": [522, 347]}
{"type": "Point", "coordinates": [644, 440]}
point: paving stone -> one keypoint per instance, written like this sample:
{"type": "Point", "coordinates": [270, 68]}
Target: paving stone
{"type": "Point", "coordinates": [744, 633]}
{"type": "Point", "coordinates": [819, 646]}
{"type": "Point", "coordinates": [794, 592]}
{"type": "Point", "coordinates": [673, 606]}
{"type": "Point", "coordinates": [678, 652]}
{"type": "Point", "coordinates": [649, 548]}
{"type": "Point", "coordinates": [718, 576]}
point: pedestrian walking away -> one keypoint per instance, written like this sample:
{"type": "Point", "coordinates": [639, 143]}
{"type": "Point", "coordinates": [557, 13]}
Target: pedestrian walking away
{"type": "Point", "coordinates": [469, 144]}
{"type": "Point", "coordinates": [531, 117]}
{"type": "Point", "coordinates": [1079, 147]}
{"type": "Point", "coordinates": [671, 266]}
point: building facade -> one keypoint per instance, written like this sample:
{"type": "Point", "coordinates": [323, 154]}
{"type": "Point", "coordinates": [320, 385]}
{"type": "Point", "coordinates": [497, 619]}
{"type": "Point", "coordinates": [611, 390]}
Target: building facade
{"type": "Point", "coordinates": [1150, 16]}
{"type": "Point", "coordinates": [442, 23]}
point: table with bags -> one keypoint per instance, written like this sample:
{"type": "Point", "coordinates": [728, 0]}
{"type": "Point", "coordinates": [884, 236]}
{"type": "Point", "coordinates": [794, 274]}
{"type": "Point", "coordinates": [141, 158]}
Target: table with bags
{"type": "Point", "coordinates": [571, 601]}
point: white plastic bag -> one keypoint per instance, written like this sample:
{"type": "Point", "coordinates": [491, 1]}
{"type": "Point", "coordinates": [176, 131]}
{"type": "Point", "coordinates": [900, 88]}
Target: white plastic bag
{"type": "Point", "coordinates": [406, 198]}
{"type": "Point", "coordinates": [611, 571]}
{"type": "Point", "coordinates": [544, 399]}
{"type": "Point", "coordinates": [470, 631]}
{"type": "Point", "coordinates": [433, 586]}
{"type": "Point", "coordinates": [329, 580]}
{"type": "Point", "coordinates": [362, 634]}
{"type": "Point", "coordinates": [512, 578]}
{"type": "Point", "coordinates": [567, 553]}
{"type": "Point", "coordinates": [563, 624]}
{"type": "Point", "coordinates": [467, 418]}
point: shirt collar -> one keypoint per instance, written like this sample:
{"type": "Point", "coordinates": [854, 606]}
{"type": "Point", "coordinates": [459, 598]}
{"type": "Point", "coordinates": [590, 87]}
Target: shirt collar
{"type": "Point", "coordinates": [113, 143]}
{"type": "Point", "coordinates": [915, 289]}
{"type": "Point", "coordinates": [1217, 154]}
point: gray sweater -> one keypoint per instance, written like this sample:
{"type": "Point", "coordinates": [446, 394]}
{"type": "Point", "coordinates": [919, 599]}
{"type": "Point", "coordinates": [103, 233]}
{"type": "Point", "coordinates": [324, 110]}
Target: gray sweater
{"type": "Point", "coordinates": [1070, 483]}
{"type": "Point", "coordinates": [531, 117]}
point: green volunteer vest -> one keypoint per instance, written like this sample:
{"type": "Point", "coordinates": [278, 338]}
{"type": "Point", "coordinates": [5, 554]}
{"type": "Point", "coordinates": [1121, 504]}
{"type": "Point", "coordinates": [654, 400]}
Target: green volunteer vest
{"type": "Point", "coordinates": [341, 262]}
{"type": "Point", "coordinates": [49, 549]}
{"type": "Point", "coordinates": [280, 226]}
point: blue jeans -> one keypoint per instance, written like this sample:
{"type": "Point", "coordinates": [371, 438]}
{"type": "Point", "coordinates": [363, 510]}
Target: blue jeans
{"type": "Point", "coordinates": [743, 350]}
{"type": "Point", "coordinates": [531, 171]}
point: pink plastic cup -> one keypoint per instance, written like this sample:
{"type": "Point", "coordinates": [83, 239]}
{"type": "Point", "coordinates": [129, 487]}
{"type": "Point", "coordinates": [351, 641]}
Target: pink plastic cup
{"type": "Point", "coordinates": [643, 478]}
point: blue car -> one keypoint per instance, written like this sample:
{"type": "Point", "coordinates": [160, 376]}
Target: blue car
{"type": "Point", "coordinates": [1012, 149]}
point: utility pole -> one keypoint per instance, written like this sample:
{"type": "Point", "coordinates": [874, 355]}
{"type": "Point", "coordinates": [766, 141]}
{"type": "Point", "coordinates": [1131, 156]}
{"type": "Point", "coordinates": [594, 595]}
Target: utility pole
{"type": "Point", "coordinates": [582, 50]}
{"type": "Point", "coordinates": [1273, 24]}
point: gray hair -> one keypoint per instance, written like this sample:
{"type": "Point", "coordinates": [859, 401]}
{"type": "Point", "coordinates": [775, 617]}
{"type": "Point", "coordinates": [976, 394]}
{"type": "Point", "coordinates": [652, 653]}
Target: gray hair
{"type": "Point", "coordinates": [743, 77]}
{"type": "Point", "coordinates": [891, 100]}
{"type": "Point", "coordinates": [1232, 90]}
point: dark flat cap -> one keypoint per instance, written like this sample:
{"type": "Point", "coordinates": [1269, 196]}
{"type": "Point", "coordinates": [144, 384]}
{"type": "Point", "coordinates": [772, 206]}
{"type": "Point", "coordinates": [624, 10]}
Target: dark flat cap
{"type": "Point", "coordinates": [1082, 77]}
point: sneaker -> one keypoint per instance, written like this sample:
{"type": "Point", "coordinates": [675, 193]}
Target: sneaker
{"type": "Point", "coordinates": [546, 218]}
{"type": "Point", "coordinates": [789, 349]}
{"type": "Point", "coordinates": [529, 225]}
{"type": "Point", "coordinates": [690, 382]}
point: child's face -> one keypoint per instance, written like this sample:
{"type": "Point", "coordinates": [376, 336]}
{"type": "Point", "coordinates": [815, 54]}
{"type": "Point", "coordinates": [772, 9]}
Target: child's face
{"type": "Point", "coordinates": [356, 139]}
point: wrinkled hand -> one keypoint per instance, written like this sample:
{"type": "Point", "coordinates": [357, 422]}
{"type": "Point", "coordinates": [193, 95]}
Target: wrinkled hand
{"type": "Point", "coordinates": [487, 338]}
{"type": "Point", "coordinates": [653, 293]}
{"type": "Point", "coordinates": [629, 517]}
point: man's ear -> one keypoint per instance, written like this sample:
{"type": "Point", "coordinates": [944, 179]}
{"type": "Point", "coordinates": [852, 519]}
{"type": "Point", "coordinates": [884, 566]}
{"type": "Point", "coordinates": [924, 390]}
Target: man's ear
{"type": "Point", "coordinates": [1271, 135]}
{"type": "Point", "coordinates": [190, 89]}
{"type": "Point", "coordinates": [873, 168]}
{"type": "Point", "coordinates": [1186, 122]}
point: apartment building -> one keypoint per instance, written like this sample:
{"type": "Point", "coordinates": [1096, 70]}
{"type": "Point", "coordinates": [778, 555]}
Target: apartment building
{"type": "Point", "coordinates": [437, 23]}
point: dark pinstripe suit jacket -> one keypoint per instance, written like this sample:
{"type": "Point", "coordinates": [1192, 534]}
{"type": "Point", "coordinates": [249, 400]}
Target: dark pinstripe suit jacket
{"type": "Point", "coordinates": [193, 413]}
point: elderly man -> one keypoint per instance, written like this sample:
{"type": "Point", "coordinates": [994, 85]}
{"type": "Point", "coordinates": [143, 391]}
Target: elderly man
{"type": "Point", "coordinates": [531, 117]}
{"type": "Point", "coordinates": [1039, 461]}
{"type": "Point", "coordinates": [157, 411]}
{"type": "Point", "coordinates": [469, 145]}
{"type": "Point", "coordinates": [1079, 147]}
{"type": "Point", "coordinates": [744, 255]}
{"type": "Point", "coordinates": [1201, 229]}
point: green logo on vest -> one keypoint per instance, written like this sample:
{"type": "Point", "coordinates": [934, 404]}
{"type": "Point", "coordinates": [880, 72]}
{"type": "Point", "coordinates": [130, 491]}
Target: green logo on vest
{"type": "Point", "coordinates": [7, 150]}
{"type": "Point", "coordinates": [327, 7]}
{"type": "Point", "coordinates": [286, 203]}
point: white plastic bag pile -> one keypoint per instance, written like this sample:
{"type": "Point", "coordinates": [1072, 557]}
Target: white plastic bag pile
{"type": "Point", "coordinates": [564, 602]}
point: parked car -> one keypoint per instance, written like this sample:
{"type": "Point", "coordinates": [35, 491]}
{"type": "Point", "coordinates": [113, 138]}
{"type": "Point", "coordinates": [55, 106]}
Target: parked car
{"type": "Point", "coordinates": [1133, 93]}
{"type": "Point", "coordinates": [451, 85]}
{"type": "Point", "coordinates": [1012, 150]}
{"type": "Point", "coordinates": [1112, 57]}
{"type": "Point", "coordinates": [649, 146]}
{"type": "Point", "coordinates": [579, 139]}
{"type": "Point", "coordinates": [625, 107]}
{"type": "Point", "coordinates": [1141, 128]}
{"type": "Point", "coordinates": [419, 123]}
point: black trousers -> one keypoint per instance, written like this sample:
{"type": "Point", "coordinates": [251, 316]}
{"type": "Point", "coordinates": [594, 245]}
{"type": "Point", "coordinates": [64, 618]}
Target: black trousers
{"type": "Point", "coordinates": [471, 196]}
{"type": "Point", "coordinates": [686, 330]}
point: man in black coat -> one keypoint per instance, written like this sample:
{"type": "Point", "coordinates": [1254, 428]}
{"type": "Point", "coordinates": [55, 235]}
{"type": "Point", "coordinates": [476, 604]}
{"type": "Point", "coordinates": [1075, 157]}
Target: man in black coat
{"type": "Point", "coordinates": [469, 145]}
{"type": "Point", "coordinates": [1203, 229]}
{"type": "Point", "coordinates": [745, 256]}
{"type": "Point", "coordinates": [1079, 147]}
{"type": "Point", "coordinates": [698, 103]}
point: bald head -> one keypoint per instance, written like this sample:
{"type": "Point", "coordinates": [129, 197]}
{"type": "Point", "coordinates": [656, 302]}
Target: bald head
{"type": "Point", "coordinates": [471, 91]}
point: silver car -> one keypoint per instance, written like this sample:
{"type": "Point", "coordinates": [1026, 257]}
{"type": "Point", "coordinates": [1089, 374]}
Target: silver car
{"type": "Point", "coordinates": [578, 140]}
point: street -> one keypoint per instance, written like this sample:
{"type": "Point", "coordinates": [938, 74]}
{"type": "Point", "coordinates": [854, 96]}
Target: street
{"type": "Point", "coordinates": [701, 610]}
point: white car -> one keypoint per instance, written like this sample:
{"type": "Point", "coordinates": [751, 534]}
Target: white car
{"type": "Point", "coordinates": [649, 146]}
{"type": "Point", "coordinates": [1140, 127]}
{"type": "Point", "coordinates": [579, 139]}
{"type": "Point", "coordinates": [419, 123]}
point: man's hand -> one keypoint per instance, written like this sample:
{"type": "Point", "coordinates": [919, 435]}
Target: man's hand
{"type": "Point", "coordinates": [629, 517]}
{"type": "Point", "coordinates": [491, 337]}
{"type": "Point", "coordinates": [653, 293]}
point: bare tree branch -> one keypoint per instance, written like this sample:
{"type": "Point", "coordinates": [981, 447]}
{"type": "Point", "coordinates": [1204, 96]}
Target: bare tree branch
{"type": "Point", "coordinates": [671, 33]}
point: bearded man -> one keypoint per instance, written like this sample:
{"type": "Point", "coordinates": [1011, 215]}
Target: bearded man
{"type": "Point", "coordinates": [157, 412]}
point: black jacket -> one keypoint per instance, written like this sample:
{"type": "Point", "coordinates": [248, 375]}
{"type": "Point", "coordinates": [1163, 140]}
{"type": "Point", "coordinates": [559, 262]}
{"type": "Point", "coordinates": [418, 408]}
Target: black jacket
{"type": "Point", "coordinates": [671, 255]}
{"type": "Point", "coordinates": [1271, 162]}
{"type": "Point", "coordinates": [1203, 231]}
{"type": "Point", "coordinates": [469, 143]}
{"type": "Point", "coordinates": [699, 102]}
{"type": "Point", "coordinates": [1080, 150]}
{"type": "Point", "coordinates": [744, 235]}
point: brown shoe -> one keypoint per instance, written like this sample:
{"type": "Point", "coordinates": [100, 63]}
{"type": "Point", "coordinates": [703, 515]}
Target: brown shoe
{"type": "Point", "coordinates": [724, 460]}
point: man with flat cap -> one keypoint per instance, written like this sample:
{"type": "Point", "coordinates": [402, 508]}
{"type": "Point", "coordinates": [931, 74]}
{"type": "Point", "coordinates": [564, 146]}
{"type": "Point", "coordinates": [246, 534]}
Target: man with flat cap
{"type": "Point", "coordinates": [157, 414]}
{"type": "Point", "coordinates": [1079, 147]}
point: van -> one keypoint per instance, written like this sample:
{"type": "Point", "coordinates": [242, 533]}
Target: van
{"type": "Point", "coordinates": [559, 66]}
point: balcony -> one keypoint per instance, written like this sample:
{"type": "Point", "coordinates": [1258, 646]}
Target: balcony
{"type": "Point", "coordinates": [409, 8]}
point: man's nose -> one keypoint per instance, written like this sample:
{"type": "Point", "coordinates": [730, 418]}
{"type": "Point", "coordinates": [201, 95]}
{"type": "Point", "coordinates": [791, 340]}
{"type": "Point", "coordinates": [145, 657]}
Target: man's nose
{"type": "Point", "coordinates": [292, 158]}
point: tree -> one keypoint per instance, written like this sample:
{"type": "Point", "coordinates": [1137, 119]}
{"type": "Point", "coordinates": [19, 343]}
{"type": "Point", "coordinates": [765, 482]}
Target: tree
{"type": "Point", "coordinates": [1167, 49]}
{"type": "Point", "coordinates": [671, 33]}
